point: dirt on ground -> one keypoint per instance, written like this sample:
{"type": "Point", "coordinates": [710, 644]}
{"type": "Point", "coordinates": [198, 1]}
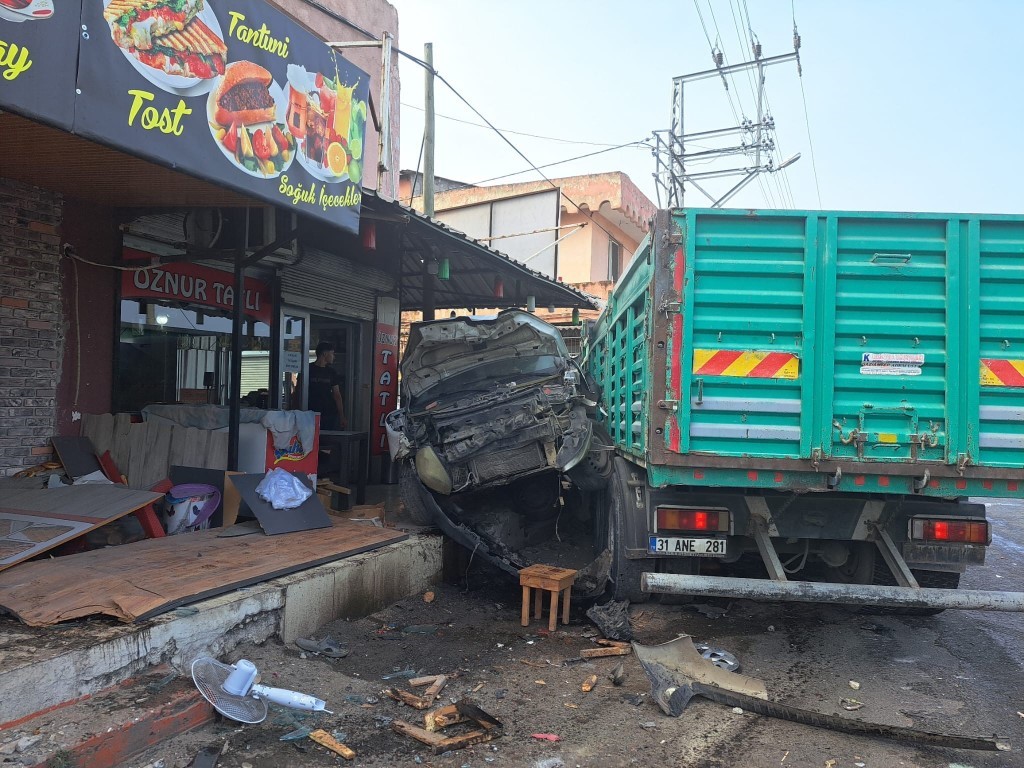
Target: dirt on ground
{"type": "Point", "coordinates": [527, 678]}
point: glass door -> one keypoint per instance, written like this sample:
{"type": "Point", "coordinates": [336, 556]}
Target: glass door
{"type": "Point", "coordinates": [294, 358]}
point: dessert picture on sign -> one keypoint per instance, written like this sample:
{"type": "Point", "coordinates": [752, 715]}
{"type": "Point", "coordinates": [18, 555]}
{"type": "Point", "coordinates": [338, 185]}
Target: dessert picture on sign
{"type": "Point", "coordinates": [175, 44]}
{"type": "Point", "coordinates": [246, 114]}
{"type": "Point", "coordinates": [327, 122]}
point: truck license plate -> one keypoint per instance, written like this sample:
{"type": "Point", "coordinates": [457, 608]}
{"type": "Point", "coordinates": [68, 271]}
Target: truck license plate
{"type": "Point", "coordinates": [692, 547]}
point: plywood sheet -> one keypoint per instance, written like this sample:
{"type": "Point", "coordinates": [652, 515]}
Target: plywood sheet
{"type": "Point", "coordinates": [146, 578]}
{"type": "Point", "coordinates": [77, 454]}
{"type": "Point", "coordinates": [310, 514]}
{"type": "Point", "coordinates": [35, 520]}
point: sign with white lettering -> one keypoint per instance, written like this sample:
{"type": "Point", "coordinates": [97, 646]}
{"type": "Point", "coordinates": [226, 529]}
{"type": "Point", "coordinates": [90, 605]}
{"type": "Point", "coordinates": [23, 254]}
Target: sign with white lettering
{"type": "Point", "coordinates": [197, 285]}
{"type": "Point", "coordinates": [385, 370]}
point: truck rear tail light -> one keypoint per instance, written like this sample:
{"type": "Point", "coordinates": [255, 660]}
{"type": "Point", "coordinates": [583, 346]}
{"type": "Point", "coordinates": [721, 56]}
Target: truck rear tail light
{"type": "Point", "coordinates": [952, 531]}
{"type": "Point", "coordinates": [676, 519]}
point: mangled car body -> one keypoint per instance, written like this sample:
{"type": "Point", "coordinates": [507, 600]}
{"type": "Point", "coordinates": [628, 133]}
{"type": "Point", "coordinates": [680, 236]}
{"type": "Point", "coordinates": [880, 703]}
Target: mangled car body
{"type": "Point", "coordinates": [493, 417]}
{"type": "Point", "coordinates": [488, 402]}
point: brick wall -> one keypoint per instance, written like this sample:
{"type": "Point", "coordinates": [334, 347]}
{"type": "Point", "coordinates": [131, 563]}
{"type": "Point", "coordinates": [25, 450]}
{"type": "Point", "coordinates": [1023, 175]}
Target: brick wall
{"type": "Point", "coordinates": [31, 327]}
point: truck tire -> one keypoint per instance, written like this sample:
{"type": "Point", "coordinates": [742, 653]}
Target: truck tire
{"type": "Point", "coordinates": [594, 472]}
{"type": "Point", "coordinates": [625, 573]}
{"type": "Point", "coordinates": [410, 489]}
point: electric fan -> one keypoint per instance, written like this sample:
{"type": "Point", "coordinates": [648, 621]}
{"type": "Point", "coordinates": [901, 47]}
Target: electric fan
{"type": "Point", "coordinates": [233, 691]}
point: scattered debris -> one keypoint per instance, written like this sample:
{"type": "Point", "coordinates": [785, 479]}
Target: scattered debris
{"type": "Point", "coordinates": [737, 710]}
{"type": "Point", "coordinates": [428, 597]}
{"type": "Point", "coordinates": [326, 647]}
{"type": "Point", "coordinates": [398, 675]}
{"type": "Point", "coordinates": [612, 619]}
{"type": "Point", "coordinates": [435, 688]}
{"type": "Point", "coordinates": [19, 746]}
{"type": "Point", "coordinates": [649, 725]}
{"type": "Point", "coordinates": [599, 653]}
{"type": "Point", "coordinates": [718, 657]}
{"type": "Point", "coordinates": [545, 737]}
{"type": "Point", "coordinates": [588, 684]}
{"type": "Point", "coordinates": [550, 762]}
{"type": "Point", "coordinates": [711, 611]}
{"type": "Point", "coordinates": [570, 705]}
{"type": "Point", "coordinates": [324, 739]}
{"type": "Point", "coordinates": [831, 763]}
{"type": "Point", "coordinates": [208, 757]}
{"type": "Point", "coordinates": [618, 674]}
{"type": "Point", "coordinates": [501, 693]}
{"type": "Point", "coordinates": [855, 685]}
{"type": "Point", "coordinates": [464, 711]}
{"type": "Point", "coordinates": [298, 733]}
{"type": "Point", "coordinates": [678, 673]}
{"type": "Point", "coordinates": [850, 705]}
{"type": "Point", "coordinates": [771, 627]}
{"type": "Point", "coordinates": [411, 699]}
{"type": "Point", "coordinates": [539, 682]}
{"type": "Point", "coordinates": [420, 629]}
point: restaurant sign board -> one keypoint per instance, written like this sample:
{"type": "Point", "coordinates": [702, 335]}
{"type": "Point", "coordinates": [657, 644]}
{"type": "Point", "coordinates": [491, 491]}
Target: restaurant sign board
{"type": "Point", "coordinates": [232, 91]}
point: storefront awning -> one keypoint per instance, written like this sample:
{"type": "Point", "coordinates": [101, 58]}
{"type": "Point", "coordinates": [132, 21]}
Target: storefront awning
{"type": "Point", "coordinates": [476, 273]}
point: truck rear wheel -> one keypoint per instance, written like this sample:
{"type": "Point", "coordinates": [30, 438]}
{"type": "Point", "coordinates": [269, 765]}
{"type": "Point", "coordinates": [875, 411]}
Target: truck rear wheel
{"type": "Point", "coordinates": [926, 579]}
{"type": "Point", "coordinates": [625, 573]}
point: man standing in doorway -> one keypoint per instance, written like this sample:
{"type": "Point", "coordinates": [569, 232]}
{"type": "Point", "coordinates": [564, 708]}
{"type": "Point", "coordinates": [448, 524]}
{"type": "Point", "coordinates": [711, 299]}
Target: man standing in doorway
{"type": "Point", "coordinates": [325, 389]}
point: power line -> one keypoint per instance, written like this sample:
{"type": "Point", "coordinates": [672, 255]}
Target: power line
{"type": "Point", "coordinates": [636, 144]}
{"type": "Point", "coordinates": [517, 133]}
{"type": "Point", "coordinates": [505, 138]}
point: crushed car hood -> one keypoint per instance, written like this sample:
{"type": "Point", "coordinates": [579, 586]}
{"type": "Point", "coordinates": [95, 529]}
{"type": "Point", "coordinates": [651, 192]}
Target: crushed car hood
{"type": "Point", "coordinates": [440, 349]}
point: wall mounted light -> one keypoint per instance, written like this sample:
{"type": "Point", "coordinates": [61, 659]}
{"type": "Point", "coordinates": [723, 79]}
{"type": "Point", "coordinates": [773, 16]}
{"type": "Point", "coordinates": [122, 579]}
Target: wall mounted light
{"type": "Point", "coordinates": [162, 319]}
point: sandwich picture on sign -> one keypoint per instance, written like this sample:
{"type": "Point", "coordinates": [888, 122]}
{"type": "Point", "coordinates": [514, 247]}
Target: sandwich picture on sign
{"type": "Point", "coordinates": [246, 113]}
{"type": "Point", "coordinates": [327, 122]}
{"type": "Point", "coordinates": [175, 44]}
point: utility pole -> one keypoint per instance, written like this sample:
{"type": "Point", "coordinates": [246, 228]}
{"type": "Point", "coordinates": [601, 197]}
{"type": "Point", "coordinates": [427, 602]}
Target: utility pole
{"type": "Point", "coordinates": [428, 170]}
{"type": "Point", "coordinates": [670, 151]}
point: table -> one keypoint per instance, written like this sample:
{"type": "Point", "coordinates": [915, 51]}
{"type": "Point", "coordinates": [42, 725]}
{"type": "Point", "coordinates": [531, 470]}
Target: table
{"type": "Point", "coordinates": [546, 578]}
{"type": "Point", "coordinates": [343, 440]}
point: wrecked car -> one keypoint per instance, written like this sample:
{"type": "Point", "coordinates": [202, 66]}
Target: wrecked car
{"type": "Point", "coordinates": [493, 437]}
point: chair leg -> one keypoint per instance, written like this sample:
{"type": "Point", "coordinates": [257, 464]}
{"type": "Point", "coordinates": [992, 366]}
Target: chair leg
{"type": "Point", "coordinates": [538, 602]}
{"type": "Point", "coordinates": [553, 618]}
{"type": "Point", "coordinates": [565, 604]}
{"type": "Point", "coordinates": [525, 618]}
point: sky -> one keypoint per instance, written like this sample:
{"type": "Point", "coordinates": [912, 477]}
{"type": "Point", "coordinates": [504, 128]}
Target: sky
{"type": "Point", "coordinates": [910, 105]}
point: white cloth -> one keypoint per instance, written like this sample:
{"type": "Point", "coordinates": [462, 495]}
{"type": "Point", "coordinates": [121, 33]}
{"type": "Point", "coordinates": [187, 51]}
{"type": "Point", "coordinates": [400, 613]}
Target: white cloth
{"type": "Point", "coordinates": [284, 424]}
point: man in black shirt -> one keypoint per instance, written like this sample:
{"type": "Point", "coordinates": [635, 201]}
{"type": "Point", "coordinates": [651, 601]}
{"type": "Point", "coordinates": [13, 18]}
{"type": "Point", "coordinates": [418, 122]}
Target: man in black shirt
{"type": "Point", "coordinates": [325, 389]}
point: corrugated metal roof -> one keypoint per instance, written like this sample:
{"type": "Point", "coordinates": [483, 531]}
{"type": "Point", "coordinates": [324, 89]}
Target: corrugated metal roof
{"type": "Point", "coordinates": [474, 267]}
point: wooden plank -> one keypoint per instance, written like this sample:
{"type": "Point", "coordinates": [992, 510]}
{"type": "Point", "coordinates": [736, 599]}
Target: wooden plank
{"type": "Point", "coordinates": [179, 434]}
{"type": "Point", "coordinates": [324, 739]}
{"type": "Point", "coordinates": [419, 682]}
{"type": "Point", "coordinates": [420, 734]}
{"type": "Point", "coordinates": [195, 447]}
{"type": "Point", "coordinates": [411, 699]}
{"type": "Point", "coordinates": [138, 437]}
{"type": "Point", "coordinates": [598, 653]}
{"type": "Point", "coordinates": [158, 456]}
{"type": "Point", "coordinates": [431, 693]}
{"type": "Point", "coordinates": [147, 578]}
{"type": "Point", "coordinates": [34, 521]}
{"type": "Point", "coordinates": [99, 427]}
{"type": "Point", "coordinates": [119, 447]}
{"type": "Point", "coordinates": [443, 717]}
{"type": "Point", "coordinates": [217, 451]}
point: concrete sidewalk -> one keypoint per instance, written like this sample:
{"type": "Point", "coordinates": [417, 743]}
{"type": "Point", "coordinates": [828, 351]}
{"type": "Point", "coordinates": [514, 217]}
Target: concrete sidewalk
{"type": "Point", "coordinates": [79, 684]}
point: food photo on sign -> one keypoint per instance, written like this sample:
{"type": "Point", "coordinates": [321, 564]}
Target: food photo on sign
{"type": "Point", "coordinates": [177, 45]}
{"type": "Point", "coordinates": [328, 122]}
{"type": "Point", "coordinates": [25, 10]}
{"type": "Point", "coordinates": [247, 118]}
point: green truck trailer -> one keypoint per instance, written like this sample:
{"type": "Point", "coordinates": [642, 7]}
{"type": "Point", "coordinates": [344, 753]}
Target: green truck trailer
{"type": "Point", "coordinates": [815, 395]}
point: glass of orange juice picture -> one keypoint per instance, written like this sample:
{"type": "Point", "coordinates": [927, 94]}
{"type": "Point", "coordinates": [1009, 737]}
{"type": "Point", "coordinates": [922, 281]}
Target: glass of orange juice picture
{"type": "Point", "coordinates": [342, 111]}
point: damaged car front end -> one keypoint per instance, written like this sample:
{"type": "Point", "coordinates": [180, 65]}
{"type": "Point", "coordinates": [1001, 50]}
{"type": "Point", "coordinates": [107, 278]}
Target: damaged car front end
{"type": "Point", "coordinates": [493, 420]}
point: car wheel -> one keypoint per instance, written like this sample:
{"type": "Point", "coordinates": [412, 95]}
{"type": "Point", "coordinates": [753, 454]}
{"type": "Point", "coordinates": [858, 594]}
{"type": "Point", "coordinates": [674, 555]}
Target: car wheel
{"type": "Point", "coordinates": [411, 491]}
{"type": "Point", "coordinates": [625, 573]}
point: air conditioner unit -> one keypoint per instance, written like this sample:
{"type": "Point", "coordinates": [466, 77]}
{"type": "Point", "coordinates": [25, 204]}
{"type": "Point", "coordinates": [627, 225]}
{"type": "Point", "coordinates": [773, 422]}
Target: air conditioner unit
{"type": "Point", "coordinates": [266, 224]}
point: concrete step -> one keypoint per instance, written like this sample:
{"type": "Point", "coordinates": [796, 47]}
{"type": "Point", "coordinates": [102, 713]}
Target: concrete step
{"type": "Point", "coordinates": [44, 671]}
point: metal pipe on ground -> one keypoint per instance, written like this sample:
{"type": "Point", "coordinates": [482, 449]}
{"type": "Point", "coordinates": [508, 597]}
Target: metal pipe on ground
{"type": "Point", "coordinates": [815, 592]}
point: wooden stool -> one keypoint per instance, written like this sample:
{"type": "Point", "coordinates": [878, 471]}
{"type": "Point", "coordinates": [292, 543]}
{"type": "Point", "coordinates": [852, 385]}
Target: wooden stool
{"type": "Point", "coordinates": [557, 581]}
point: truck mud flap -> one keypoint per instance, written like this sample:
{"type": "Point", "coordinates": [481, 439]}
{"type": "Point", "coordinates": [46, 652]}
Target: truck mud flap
{"type": "Point", "coordinates": [818, 592]}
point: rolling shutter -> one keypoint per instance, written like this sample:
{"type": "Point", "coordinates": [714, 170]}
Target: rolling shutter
{"type": "Point", "coordinates": [324, 282]}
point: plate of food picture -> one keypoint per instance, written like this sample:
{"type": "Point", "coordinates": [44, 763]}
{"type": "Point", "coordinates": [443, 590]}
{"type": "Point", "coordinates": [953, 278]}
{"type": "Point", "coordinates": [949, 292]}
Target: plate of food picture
{"type": "Point", "coordinates": [177, 45]}
{"type": "Point", "coordinates": [246, 112]}
{"type": "Point", "coordinates": [320, 114]}
{"type": "Point", "coordinates": [26, 10]}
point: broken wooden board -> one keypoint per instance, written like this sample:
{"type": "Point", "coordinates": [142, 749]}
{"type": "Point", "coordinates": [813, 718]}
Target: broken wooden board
{"type": "Point", "coordinates": [443, 717]}
{"type": "Point", "coordinates": [460, 712]}
{"type": "Point", "coordinates": [324, 739]}
{"type": "Point", "coordinates": [410, 699]}
{"type": "Point", "coordinates": [439, 743]}
{"type": "Point", "coordinates": [35, 520]}
{"type": "Point", "coordinates": [77, 454]}
{"type": "Point", "coordinates": [146, 578]}
{"type": "Point", "coordinates": [599, 653]}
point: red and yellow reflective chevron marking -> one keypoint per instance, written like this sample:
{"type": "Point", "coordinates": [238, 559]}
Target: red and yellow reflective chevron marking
{"type": "Point", "coordinates": [1002, 373]}
{"type": "Point", "coordinates": [746, 365]}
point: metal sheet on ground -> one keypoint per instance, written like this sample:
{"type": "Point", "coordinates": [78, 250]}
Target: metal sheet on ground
{"type": "Point", "coordinates": [136, 581]}
{"type": "Point", "coordinates": [308, 515]}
